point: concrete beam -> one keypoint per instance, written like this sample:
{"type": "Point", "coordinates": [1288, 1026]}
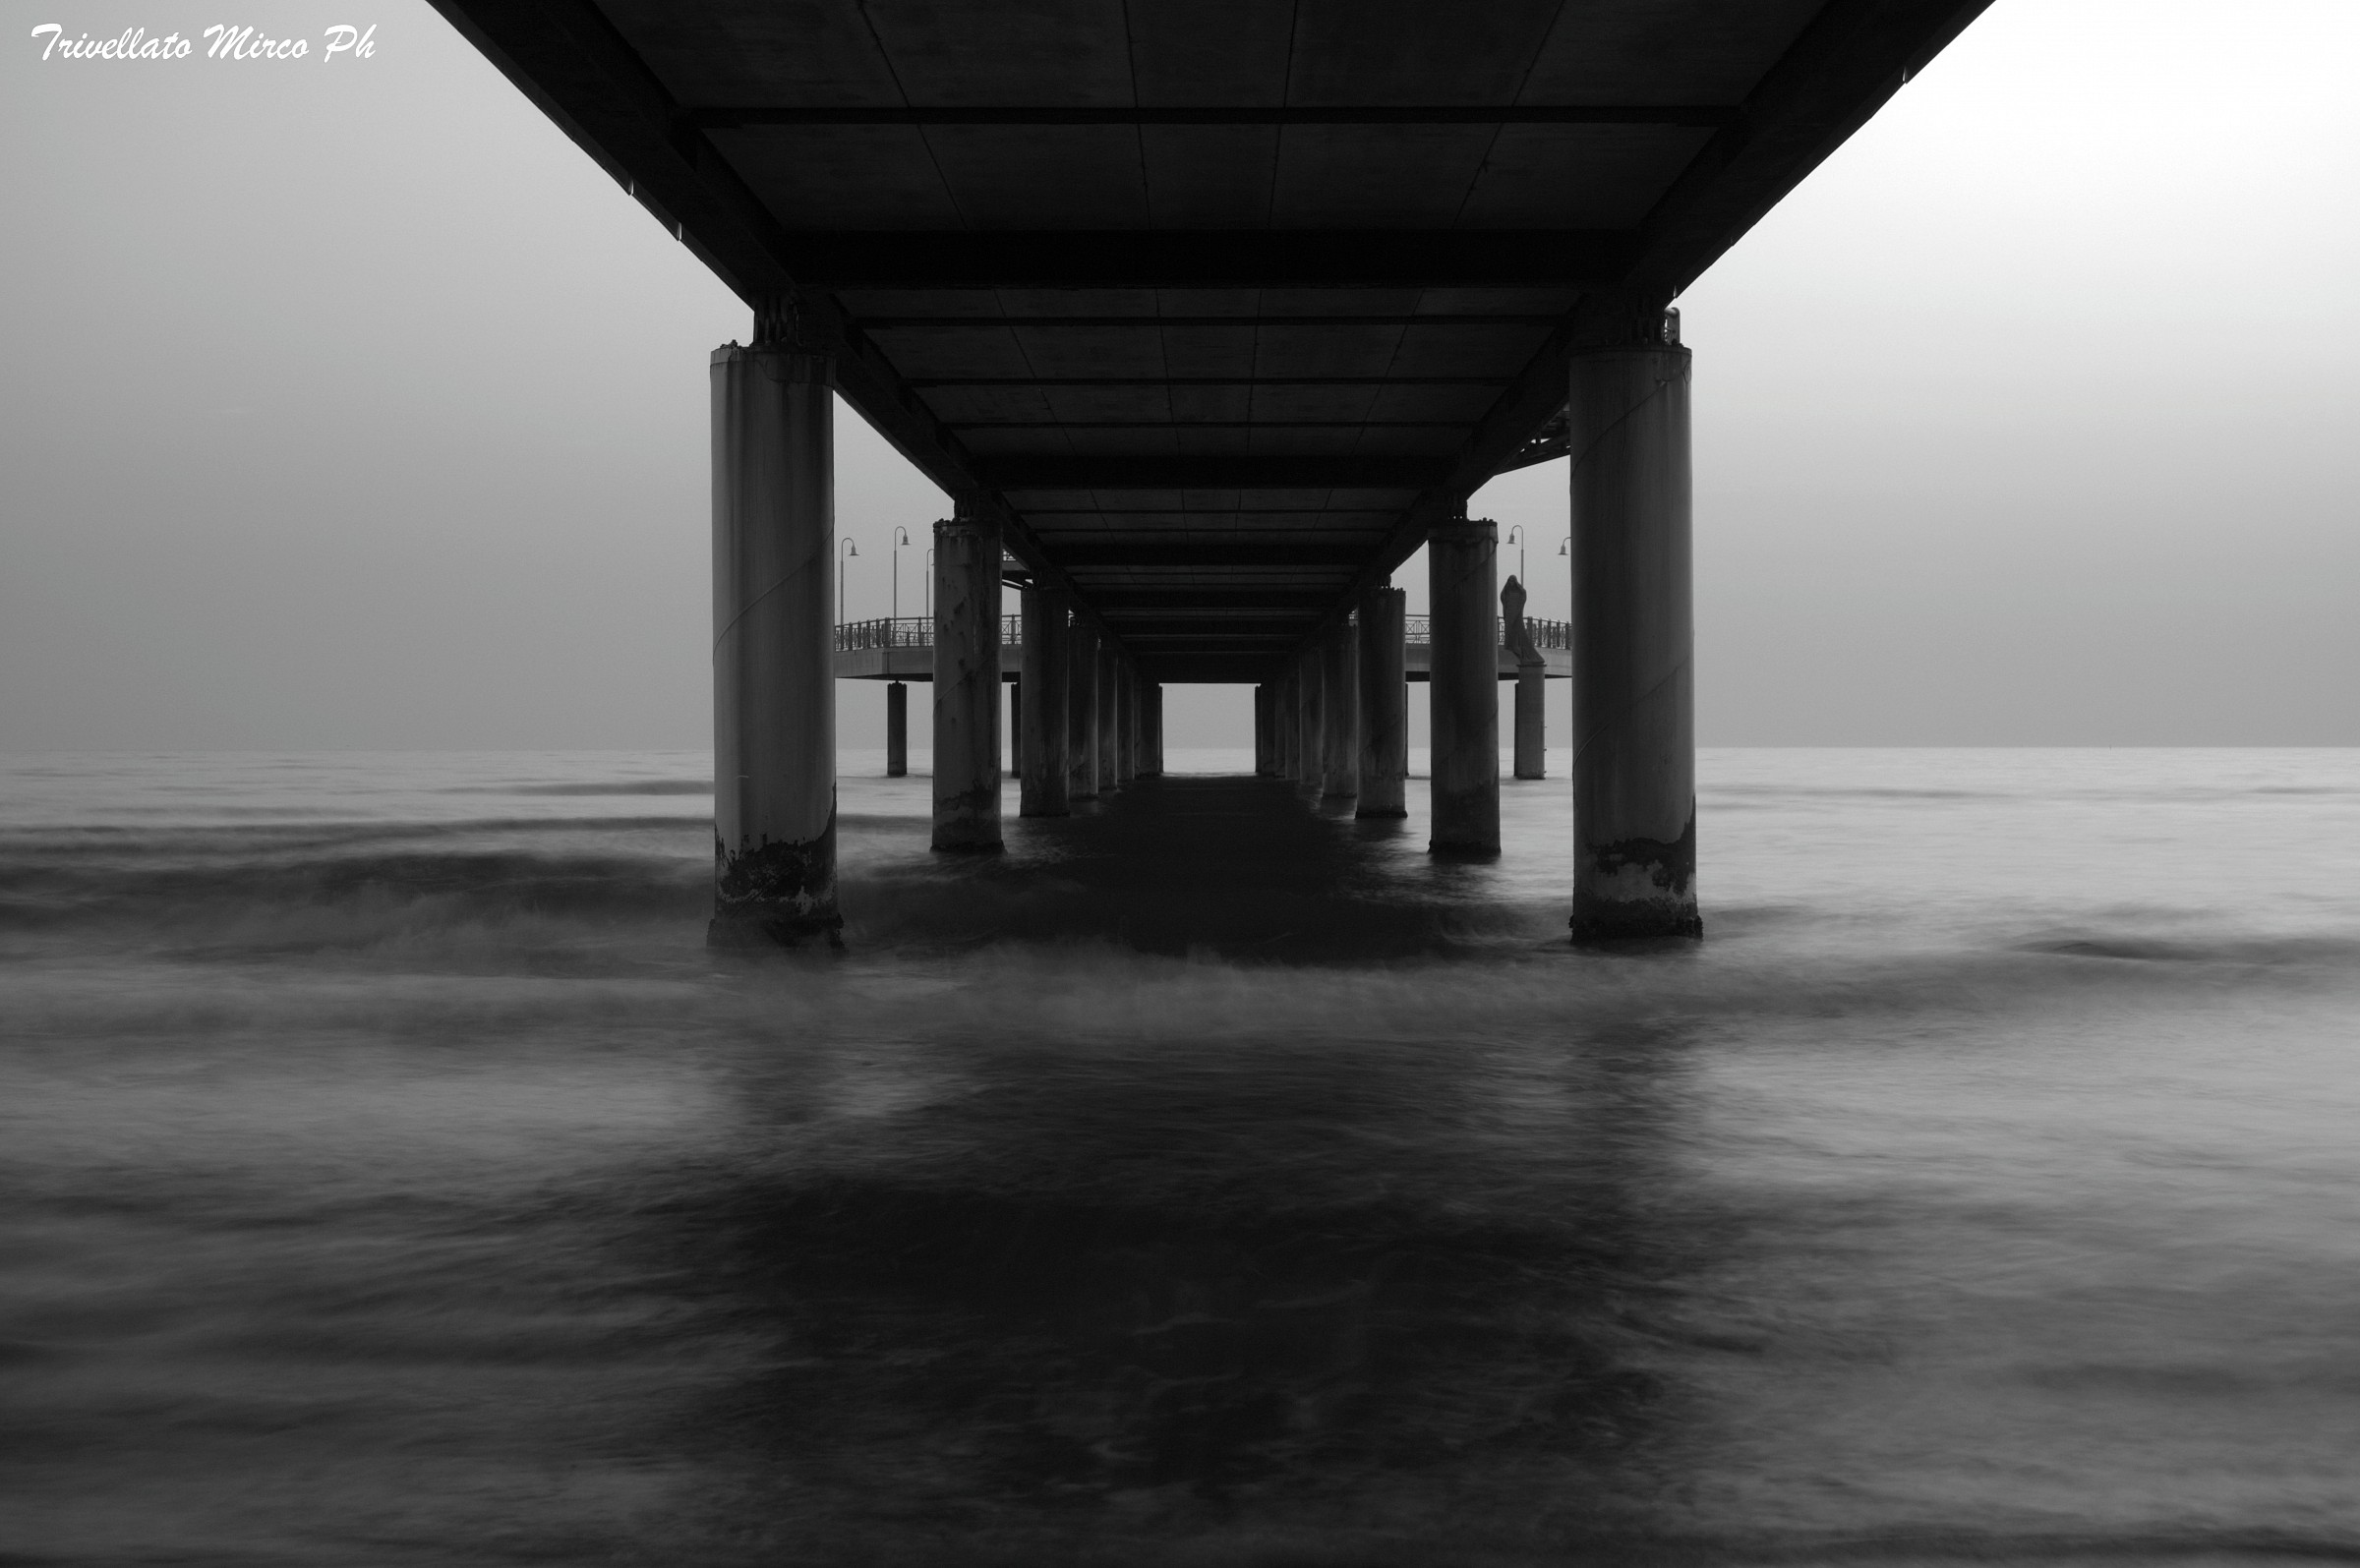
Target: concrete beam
{"type": "Point", "coordinates": [1209, 471]}
{"type": "Point", "coordinates": [1212, 258]}
{"type": "Point", "coordinates": [1159, 323]}
{"type": "Point", "coordinates": [731, 117]}
{"type": "Point", "coordinates": [1210, 549]}
{"type": "Point", "coordinates": [1208, 598]}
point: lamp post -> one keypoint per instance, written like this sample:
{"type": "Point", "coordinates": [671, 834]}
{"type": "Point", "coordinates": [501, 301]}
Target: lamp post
{"type": "Point", "coordinates": [929, 587]}
{"type": "Point", "coordinates": [1515, 537]}
{"type": "Point", "coordinates": [901, 537]}
{"type": "Point", "coordinates": [849, 551]}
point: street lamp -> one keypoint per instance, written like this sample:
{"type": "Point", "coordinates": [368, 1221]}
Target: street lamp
{"type": "Point", "coordinates": [1515, 537]}
{"type": "Point", "coordinates": [929, 587]}
{"type": "Point", "coordinates": [901, 537]}
{"type": "Point", "coordinates": [849, 550]}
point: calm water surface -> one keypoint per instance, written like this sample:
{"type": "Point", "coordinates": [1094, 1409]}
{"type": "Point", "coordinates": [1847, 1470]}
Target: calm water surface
{"type": "Point", "coordinates": [392, 1177]}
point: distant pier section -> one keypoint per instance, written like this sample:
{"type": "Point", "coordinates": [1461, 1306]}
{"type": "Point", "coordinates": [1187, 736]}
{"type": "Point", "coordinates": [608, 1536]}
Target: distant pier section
{"type": "Point", "coordinates": [903, 649]}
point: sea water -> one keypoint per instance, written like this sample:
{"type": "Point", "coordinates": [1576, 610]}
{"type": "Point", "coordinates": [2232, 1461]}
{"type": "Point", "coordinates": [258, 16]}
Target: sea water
{"type": "Point", "coordinates": [392, 1175]}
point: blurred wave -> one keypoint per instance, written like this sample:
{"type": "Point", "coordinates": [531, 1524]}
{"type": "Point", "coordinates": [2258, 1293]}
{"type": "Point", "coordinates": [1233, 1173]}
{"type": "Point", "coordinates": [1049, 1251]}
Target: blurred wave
{"type": "Point", "coordinates": [620, 787]}
{"type": "Point", "coordinates": [394, 1177]}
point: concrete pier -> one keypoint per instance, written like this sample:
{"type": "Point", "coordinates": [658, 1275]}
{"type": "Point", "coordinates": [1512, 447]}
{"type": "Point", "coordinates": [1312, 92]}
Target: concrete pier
{"type": "Point", "coordinates": [1311, 721]}
{"type": "Point", "coordinates": [1126, 723]}
{"type": "Point", "coordinates": [1110, 678]}
{"type": "Point", "coordinates": [1265, 740]}
{"type": "Point", "coordinates": [1532, 721]}
{"type": "Point", "coordinates": [1339, 678]}
{"type": "Point", "coordinates": [1298, 742]}
{"type": "Point", "coordinates": [774, 619]}
{"type": "Point", "coordinates": [1463, 585]}
{"type": "Point", "coordinates": [1187, 394]}
{"type": "Point", "coordinates": [1041, 727]}
{"type": "Point", "coordinates": [967, 683]}
{"type": "Point", "coordinates": [1383, 705]}
{"type": "Point", "coordinates": [1289, 713]}
{"type": "Point", "coordinates": [1283, 704]}
{"type": "Point", "coordinates": [897, 731]}
{"type": "Point", "coordinates": [1138, 722]}
{"type": "Point", "coordinates": [1532, 684]}
{"type": "Point", "coordinates": [1634, 709]}
{"type": "Point", "coordinates": [1082, 713]}
{"type": "Point", "coordinates": [1151, 765]}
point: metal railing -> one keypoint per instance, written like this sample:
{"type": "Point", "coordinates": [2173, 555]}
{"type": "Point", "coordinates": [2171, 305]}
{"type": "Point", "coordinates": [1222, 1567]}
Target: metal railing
{"type": "Point", "coordinates": [1546, 635]}
{"type": "Point", "coordinates": [910, 631]}
{"type": "Point", "coordinates": [916, 631]}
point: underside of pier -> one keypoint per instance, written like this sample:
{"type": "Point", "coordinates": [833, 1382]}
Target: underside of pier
{"type": "Point", "coordinates": [1215, 307]}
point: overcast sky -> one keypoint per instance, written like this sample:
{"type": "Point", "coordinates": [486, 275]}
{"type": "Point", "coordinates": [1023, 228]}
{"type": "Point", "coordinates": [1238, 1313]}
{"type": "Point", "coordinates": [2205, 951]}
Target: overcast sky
{"type": "Point", "coordinates": [346, 404]}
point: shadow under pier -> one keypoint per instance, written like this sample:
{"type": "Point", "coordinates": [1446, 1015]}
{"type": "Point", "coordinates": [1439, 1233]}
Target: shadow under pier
{"type": "Point", "coordinates": [1235, 866]}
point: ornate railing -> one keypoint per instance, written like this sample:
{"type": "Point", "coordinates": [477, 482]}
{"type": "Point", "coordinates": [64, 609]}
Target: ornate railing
{"type": "Point", "coordinates": [1545, 633]}
{"type": "Point", "coordinates": [910, 631]}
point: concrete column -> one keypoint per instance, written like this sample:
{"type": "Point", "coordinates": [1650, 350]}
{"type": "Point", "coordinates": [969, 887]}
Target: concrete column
{"type": "Point", "coordinates": [1155, 764]}
{"type": "Point", "coordinates": [1292, 718]}
{"type": "Point", "coordinates": [1138, 722]}
{"type": "Point", "coordinates": [1126, 723]}
{"type": "Point", "coordinates": [1266, 760]}
{"type": "Point", "coordinates": [1283, 724]}
{"type": "Point", "coordinates": [1143, 760]}
{"type": "Point", "coordinates": [1110, 666]}
{"type": "Point", "coordinates": [1082, 713]}
{"type": "Point", "coordinates": [1383, 705]}
{"type": "Point", "coordinates": [967, 683]}
{"type": "Point", "coordinates": [1015, 721]}
{"type": "Point", "coordinates": [774, 640]}
{"type": "Point", "coordinates": [1143, 725]}
{"type": "Point", "coordinates": [1311, 724]}
{"type": "Point", "coordinates": [1532, 684]}
{"type": "Point", "coordinates": [1041, 728]}
{"type": "Point", "coordinates": [1339, 678]}
{"type": "Point", "coordinates": [1532, 721]}
{"type": "Point", "coordinates": [1464, 686]}
{"type": "Point", "coordinates": [1634, 706]}
{"type": "Point", "coordinates": [897, 731]}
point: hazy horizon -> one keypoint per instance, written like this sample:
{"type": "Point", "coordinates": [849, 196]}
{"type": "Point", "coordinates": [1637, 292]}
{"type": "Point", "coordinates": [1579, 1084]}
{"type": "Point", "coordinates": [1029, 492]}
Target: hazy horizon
{"type": "Point", "coordinates": [349, 406]}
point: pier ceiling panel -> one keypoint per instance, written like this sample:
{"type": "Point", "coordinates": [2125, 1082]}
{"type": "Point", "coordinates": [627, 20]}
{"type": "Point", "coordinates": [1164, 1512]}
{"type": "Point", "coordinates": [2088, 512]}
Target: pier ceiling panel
{"type": "Point", "coordinates": [1219, 305]}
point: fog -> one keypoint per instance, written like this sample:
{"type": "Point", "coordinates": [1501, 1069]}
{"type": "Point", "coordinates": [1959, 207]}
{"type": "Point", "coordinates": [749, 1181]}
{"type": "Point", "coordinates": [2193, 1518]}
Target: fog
{"type": "Point", "coordinates": [346, 404]}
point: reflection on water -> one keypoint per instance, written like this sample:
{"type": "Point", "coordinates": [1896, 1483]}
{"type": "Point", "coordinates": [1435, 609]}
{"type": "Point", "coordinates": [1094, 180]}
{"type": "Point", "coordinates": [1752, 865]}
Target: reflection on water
{"type": "Point", "coordinates": [393, 1178]}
